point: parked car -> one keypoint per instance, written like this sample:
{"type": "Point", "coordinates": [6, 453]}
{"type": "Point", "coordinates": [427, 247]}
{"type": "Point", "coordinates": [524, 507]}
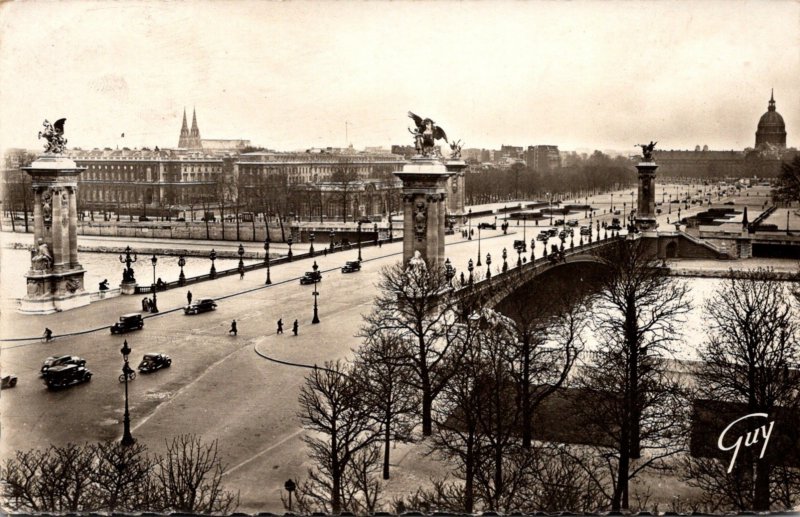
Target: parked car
{"type": "Point", "coordinates": [585, 230]}
{"type": "Point", "coordinates": [572, 222]}
{"type": "Point", "coordinates": [8, 381]}
{"type": "Point", "coordinates": [201, 305]}
{"type": "Point", "coordinates": [153, 362]}
{"type": "Point", "coordinates": [543, 236]}
{"type": "Point", "coordinates": [128, 322]}
{"type": "Point", "coordinates": [351, 266]}
{"type": "Point", "coordinates": [520, 244]}
{"type": "Point", "coordinates": [487, 226]}
{"type": "Point", "coordinates": [60, 360]}
{"type": "Point", "coordinates": [552, 232]}
{"type": "Point", "coordinates": [614, 225]}
{"type": "Point", "coordinates": [558, 222]}
{"type": "Point", "coordinates": [310, 277]}
{"type": "Point", "coordinates": [66, 375]}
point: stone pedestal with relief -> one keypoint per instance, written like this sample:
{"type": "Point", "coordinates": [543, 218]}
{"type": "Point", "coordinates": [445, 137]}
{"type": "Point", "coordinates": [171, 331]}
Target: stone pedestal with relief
{"type": "Point", "coordinates": [55, 277]}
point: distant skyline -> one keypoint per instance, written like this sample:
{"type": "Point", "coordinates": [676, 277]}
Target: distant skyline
{"type": "Point", "coordinates": [294, 75]}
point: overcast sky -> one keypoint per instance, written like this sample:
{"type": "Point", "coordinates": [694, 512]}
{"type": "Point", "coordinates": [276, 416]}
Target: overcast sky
{"type": "Point", "coordinates": [598, 74]}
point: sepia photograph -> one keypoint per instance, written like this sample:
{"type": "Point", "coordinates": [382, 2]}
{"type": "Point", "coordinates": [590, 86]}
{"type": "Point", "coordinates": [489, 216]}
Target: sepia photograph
{"type": "Point", "coordinates": [399, 257]}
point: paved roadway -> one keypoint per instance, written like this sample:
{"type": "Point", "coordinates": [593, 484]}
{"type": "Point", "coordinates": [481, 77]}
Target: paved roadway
{"type": "Point", "coordinates": [218, 386]}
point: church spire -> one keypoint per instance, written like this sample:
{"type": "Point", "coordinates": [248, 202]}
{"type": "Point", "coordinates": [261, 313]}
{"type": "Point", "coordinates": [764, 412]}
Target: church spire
{"type": "Point", "coordinates": [772, 100]}
{"type": "Point", "coordinates": [195, 130]}
{"type": "Point", "coordinates": [183, 141]}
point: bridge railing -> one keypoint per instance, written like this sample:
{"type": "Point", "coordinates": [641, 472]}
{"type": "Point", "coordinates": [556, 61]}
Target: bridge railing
{"type": "Point", "coordinates": [515, 272]}
{"type": "Point", "coordinates": [145, 289]}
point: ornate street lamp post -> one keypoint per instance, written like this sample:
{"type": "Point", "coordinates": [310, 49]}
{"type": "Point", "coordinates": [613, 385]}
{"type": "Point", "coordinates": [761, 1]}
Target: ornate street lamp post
{"type": "Point", "coordinates": [449, 271]}
{"type": "Point", "coordinates": [240, 252]}
{"type": "Point", "coordinates": [289, 242]}
{"type": "Point", "coordinates": [266, 259]}
{"type": "Point", "coordinates": [127, 274]}
{"type": "Point", "coordinates": [127, 438]}
{"type": "Point", "coordinates": [315, 267]}
{"type": "Point", "coordinates": [505, 264]}
{"type": "Point", "coordinates": [359, 241]}
{"type": "Point", "coordinates": [154, 308]}
{"type": "Point", "coordinates": [470, 267]}
{"type": "Point", "coordinates": [375, 229]}
{"type": "Point", "coordinates": [290, 487]}
{"type": "Point", "coordinates": [479, 247]}
{"type": "Point", "coordinates": [332, 237]}
{"type": "Point", "coordinates": [213, 257]}
{"type": "Point", "coordinates": [524, 227]}
{"type": "Point", "coordinates": [311, 240]}
{"type": "Point", "coordinates": [181, 263]}
{"type": "Point", "coordinates": [488, 265]}
{"type": "Point", "coordinates": [469, 220]}
{"type": "Point", "coordinates": [533, 246]}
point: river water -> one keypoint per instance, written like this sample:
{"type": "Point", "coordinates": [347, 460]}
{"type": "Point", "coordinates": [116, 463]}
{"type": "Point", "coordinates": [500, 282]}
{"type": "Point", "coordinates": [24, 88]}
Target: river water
{"type": "Point", "coordinates": [99, 266]}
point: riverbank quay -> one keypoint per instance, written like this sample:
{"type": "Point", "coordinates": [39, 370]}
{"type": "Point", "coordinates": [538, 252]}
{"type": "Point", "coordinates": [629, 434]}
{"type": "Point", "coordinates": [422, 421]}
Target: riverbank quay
{"type": "Point", "coordinates": [780, 269]}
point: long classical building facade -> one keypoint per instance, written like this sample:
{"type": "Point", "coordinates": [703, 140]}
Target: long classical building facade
{"type": "Point", "coordinates": [230, 176]}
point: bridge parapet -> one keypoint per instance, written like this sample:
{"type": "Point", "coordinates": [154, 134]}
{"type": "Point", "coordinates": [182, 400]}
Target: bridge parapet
{"type": "Point", "coordinates": [493, 289]}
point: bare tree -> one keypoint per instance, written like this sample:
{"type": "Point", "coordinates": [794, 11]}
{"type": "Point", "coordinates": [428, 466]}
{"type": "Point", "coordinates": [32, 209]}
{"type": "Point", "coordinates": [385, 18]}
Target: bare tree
{"type": "Point", "coordinates": [346, 178]}
{"type": "Point", "coordinates": [120, 477]}
{"type": "Point", "coordinates": [549, 337]}
{"type": "Point", "coordinates": [629, 389]}
{"type": "Point", "coordinates": [331, 405]}
{"type": "Point", "coordinates": [750, 358]}
{"type": "Point", "coordinates": [415, 304]}
{"type": "Point", "coordinates": [393, 401]}
{"type": "Point", "coordinates": [189, 478]}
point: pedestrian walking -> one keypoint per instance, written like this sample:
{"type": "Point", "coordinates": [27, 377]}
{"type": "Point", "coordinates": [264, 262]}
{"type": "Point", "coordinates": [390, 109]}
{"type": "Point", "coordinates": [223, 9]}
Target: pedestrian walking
{"type": "Point", "coordinates": [233, 330]}
{"type": "Point", "coordinates": [241, 273]}
{"type": "Point", "coordinates": [294, 327]}
{"type": "Point", "coordinates": [325, 251]}
{"type": "Point", "coordinates": [280, 326]}
{"type": "Point", "coordinates": [189, 297]}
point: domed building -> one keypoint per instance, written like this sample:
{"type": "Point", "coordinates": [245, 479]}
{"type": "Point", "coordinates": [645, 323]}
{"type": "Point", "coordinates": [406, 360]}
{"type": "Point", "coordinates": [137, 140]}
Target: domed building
{"type": "Point", "coordinates": [771, 130]}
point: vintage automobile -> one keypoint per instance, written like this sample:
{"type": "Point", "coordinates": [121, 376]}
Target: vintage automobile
{"type": "Point", "coordinates": [572, 222]}
{"type": "Point", "coordinates": [201, 305]}
{"type": "Point", "coordinates": [351, 266]}
{"type": "Point", "coordinates": [153, 362]}
{"type": "Point", "coordinates": [520, 244]}
{"type": "Point", "coordinates": [66, 375]}
{"type": "Point", "coordinates": [60, 360]}
{"type": "Point", "coordinates": [310, 277]}
{"type": "Point", "coordinates": [614, 225]}
{"type": "Point", "coordinates": [487, 226]}
{"type": "Point", "coordinates": [558, 222]}
{"type": "Point", "coordinates": [8, 381]}
{"type": "Point", "coordinates": [552, 232]}
{"type": "Point", "coordinates": [585, 230]}
{"type": "Point", "coordinates": [128, 322]}
{"type": "Point", "coordinates": [543, 236]}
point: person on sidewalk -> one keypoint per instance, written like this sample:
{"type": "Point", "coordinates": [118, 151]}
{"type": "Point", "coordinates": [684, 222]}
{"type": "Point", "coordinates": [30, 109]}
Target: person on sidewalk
{"type": "Point", "coordinates": [189, 297]}
{"type": "Point", "coordinates": [294, 327]}
{"type": "Point", "coordinates": [233, 329]}
{"type": "Point", "coordinates": [241, 273]}
{"type": "Point", "coordinates": [145, 305]}
{"type": "Point", "coordinates": [280, 326]}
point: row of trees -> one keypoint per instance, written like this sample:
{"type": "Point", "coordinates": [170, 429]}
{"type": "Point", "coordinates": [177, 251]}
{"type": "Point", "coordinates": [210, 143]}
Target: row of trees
{"type": "Point", "coordinates": [523, 423]}
{"type": "Point", "coordinates": [598, 172]}
{"type": "Point", "coordinates": [109, 477]}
